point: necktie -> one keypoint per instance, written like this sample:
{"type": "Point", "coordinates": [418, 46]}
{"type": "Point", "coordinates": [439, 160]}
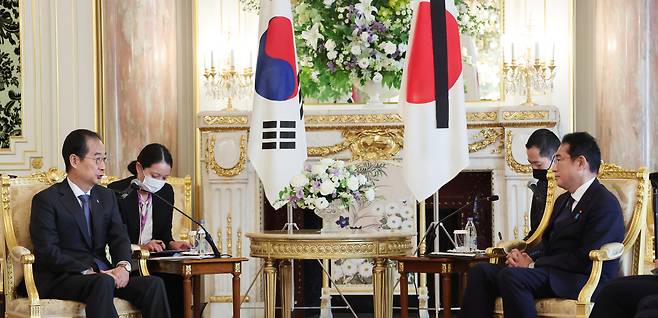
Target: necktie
{"type": "Point", "coordinates": [566, 210]}
{"type": "Point", "coordinates": [100, 265]}
{"type": "Point", "coordinates": [87, 210]}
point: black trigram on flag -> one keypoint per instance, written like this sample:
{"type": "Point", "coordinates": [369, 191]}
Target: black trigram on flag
{"type": "Point", "coordinates": [279, 134]}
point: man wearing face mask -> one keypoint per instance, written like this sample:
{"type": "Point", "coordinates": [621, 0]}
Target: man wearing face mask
{"type": "Point", "coordinates": [540, 149]}
{"type": "Point", "coordinates": [147, 218]}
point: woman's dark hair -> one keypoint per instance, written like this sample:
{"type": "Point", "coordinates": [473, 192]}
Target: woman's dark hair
{"type": "Point", "coordinates": [76, 144]}
{"type": "Point", "coordinates": [151, 154]}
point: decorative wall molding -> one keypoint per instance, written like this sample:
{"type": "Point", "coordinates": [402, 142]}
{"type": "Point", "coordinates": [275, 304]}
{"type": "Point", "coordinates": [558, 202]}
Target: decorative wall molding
{"type": "Point", "coordinates": [509, 157]}
{"type": "Point", "coordinates": [525, 115]}
{"type": "Point", "coordinates": [11, 113]}
{"type": "Point", "coordinates": [211, 163]}
{"type": "Point", "coordinates": [487, 137]}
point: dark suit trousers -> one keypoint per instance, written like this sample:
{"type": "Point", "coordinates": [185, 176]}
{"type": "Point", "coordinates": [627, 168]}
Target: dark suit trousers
{"type": "Point", "coordinates": [625, 296]}
{"type": "Point", "coordinates": [97, 291]}
{"type": "Point", "coordinates": [517, 286]}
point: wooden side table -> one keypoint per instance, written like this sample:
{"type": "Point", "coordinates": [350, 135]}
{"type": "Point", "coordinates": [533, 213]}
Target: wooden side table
{"type": "Point", "coordinates": [191, 270]}
{"type": "Point", "coordinates": [445, 266]}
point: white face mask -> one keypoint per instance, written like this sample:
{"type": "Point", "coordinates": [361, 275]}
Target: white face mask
{"type": "Point", "coordinates": [151, 184]}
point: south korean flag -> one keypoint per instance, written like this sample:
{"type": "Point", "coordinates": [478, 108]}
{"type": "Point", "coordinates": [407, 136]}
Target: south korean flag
{"type": "Point", "coordinates": [277, 138]}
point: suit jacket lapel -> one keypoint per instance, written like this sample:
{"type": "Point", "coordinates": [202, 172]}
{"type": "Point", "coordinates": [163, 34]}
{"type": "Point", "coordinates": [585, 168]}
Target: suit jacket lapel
{"type": "Point", "coordinates": [71, 203]}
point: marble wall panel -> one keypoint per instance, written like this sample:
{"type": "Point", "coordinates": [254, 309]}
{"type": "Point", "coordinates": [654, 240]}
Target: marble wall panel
{"type": "Point", "coordinates": [626, 67]}
{"type": "Point", "coordinates": [139, 78]}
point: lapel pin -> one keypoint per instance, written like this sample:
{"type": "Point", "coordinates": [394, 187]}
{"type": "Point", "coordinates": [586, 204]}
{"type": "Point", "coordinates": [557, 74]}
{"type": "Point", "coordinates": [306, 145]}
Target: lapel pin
{"type": "Point", "coordinates": [578, 214]}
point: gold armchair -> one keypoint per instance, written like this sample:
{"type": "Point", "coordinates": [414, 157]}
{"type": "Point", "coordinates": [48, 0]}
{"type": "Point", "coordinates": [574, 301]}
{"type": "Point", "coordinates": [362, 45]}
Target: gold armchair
{"type": "Point", "coordinates": [631, 187]}
{"type": "Point", "coordinates": [16, 197]}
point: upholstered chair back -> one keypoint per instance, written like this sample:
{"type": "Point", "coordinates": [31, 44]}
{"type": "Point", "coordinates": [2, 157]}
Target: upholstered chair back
{"type": "Point", "coordinates": [631, 187]}
{"type": "Point", "coordinates": [16, 197]}
{"type": "Point", "coordinates": [183, 200]}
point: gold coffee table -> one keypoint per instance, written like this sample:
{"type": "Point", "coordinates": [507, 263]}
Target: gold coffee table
{"type": "Point", "coordinates": [275, 246]}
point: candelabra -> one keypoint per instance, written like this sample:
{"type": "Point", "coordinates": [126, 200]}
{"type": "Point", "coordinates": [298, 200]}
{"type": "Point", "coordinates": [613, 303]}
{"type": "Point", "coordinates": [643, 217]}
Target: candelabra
{"type": "Point", "coordinates": [526, 76]}
{"type": "Point", "coordinates": [228, 84]}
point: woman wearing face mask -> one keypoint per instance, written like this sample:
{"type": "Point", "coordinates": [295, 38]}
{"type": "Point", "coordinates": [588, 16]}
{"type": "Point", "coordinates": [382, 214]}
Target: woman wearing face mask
{"type": "Point", "coordinates": [147, 218]}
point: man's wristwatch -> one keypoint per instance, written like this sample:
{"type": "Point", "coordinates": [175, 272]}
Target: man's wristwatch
{"type": "Point", "coordinates": [125, 265]}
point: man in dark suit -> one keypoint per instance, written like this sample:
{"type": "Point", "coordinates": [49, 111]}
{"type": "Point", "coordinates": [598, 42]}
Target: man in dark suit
{"type": "Point", "coordinates": [585, 218]}
{"type": "Point", "coordinates": [540, 149]}
{"type": "Point", "coordinates": [70, 225]}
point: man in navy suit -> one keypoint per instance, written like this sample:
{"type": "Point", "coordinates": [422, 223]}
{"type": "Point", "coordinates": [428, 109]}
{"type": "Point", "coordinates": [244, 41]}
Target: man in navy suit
{"type": "Point", "coordinates": [71, 223]}
{"type": "Point", "coordinates": [585, 218]}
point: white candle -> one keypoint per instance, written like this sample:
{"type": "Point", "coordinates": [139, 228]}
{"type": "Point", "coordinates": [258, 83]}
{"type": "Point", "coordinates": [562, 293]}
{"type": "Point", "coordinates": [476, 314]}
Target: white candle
{"type": "Point", "coordinates": [212, 59]}
{"type": "Point", "coordinates": [536, 50]}
{"type": "Point", "coordinates": [553, 53]}
{"type": "Point", "coordinates": [230, 58]}
{"type": "Point", "coordinates": [513, 56]}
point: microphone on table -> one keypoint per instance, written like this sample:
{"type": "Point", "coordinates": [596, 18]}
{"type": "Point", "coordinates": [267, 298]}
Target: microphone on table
{"type": "Point", "coordinates": [440, 222]}
{"type": "Point", "coordinates": [136, 184]}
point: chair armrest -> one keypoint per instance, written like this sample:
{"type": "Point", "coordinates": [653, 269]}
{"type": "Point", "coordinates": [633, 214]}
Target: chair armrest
{"type": "Point", "coordinates": [23, 256]}
{"type": "Point", "coordinates": [140, 255]}
{"type": "Point", "coordinates": [607, 252]}
{"type": "Point", "coordinates": [505, 247]}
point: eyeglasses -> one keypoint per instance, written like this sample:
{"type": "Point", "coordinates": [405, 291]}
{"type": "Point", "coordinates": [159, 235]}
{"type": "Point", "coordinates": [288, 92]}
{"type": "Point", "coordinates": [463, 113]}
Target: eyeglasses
{"type": "Point", "coordinates": [98, 160]}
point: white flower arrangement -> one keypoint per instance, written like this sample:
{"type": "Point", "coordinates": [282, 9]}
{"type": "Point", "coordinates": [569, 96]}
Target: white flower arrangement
{"type": "Point", "coordinates": [326, 183]}
{"type": "Point", "coordinates": [478, 18]}
{"type": "Point", "coordinates": [347, 43]}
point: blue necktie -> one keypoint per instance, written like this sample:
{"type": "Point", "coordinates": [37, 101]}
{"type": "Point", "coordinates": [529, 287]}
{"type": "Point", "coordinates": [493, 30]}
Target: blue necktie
{"type": "Point", "coordinates": [101, 265]}
{"type": "Point", "coordinates": [85, 207]}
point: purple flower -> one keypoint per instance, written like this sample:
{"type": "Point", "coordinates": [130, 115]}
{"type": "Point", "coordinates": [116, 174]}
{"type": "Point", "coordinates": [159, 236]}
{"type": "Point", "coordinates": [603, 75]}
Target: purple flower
{"type": "Point", "coordinates": [379, 27]}
{"type": "Point", "coordinates": [343, 221]}
{"type": "Point", "coordinates": [371, 38]}
{"type": "Point", "coordinates": [307, 167]}
{"type": "Point", "coordinates": [334, 172]}
{"type": "Point", "coordinates": [356, 195]}
{"type": "Point", "coordinates": [315, 185]}
{"type": "Point", "coordinates": [300, 193]}
{"type": "Point", "coordinates": [331, 66]}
